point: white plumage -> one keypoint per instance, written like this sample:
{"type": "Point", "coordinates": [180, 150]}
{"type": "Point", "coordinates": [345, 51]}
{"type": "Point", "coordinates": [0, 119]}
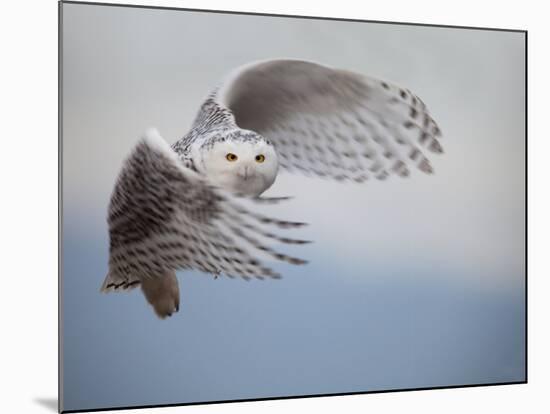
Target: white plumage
{"type": "Point", "coordinates": [191, 205]}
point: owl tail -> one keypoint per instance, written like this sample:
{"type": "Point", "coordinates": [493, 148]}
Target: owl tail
{"type": "Point", "coordinates": [163, 293]}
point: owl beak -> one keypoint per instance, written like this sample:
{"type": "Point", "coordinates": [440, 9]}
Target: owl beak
{"type": "Point", "coordinates": [246, 172]}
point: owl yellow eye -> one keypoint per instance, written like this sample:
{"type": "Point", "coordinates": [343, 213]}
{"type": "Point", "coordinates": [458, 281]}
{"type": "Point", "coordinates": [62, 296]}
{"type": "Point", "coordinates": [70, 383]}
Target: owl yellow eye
{"type": "Point", "coordinates": [260, 158]}
{"type": "Point", "coordinates": [231, 157]}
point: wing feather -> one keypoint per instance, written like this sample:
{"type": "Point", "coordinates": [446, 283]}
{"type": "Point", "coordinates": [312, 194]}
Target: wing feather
{"type": "Point", "coordinates": [330, 122]}
{"type": "Point", "coordinates": [163, 216]}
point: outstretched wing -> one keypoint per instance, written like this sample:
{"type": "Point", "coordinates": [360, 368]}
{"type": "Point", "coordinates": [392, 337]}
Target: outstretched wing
{"type": "Point", "coordinates": [331, 122]}
{"type": "Point", "coordinates": [163, 216]}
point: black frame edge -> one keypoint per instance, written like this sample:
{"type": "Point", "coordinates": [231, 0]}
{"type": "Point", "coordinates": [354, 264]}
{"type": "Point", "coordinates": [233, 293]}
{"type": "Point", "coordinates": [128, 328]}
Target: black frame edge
{"type": "Point", "coordinates": [141, 6]}
{"type": "Point", "coordinates": [445, 387]}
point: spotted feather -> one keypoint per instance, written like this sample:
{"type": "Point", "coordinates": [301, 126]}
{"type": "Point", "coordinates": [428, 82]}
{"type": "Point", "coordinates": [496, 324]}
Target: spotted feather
{"type": "Point", "coordinates": [164, 217]}
{"type": "Point", "coordinates": [330, 122]}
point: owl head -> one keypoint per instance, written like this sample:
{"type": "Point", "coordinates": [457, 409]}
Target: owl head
{"type": "Point", "coordinates": [241, 161]}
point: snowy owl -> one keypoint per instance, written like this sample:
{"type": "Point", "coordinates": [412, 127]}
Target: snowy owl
{"type": "Point", "coordinates": [192, 205]}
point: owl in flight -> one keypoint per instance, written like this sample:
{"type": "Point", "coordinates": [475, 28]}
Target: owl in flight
{"type": "Point", "coordinates": [192, 205]}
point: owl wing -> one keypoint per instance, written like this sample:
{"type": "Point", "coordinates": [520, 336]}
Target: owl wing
{"type": "Point", "coordinates": [163, 216]}
{"type": "Point", "coordinates": [331, 122]}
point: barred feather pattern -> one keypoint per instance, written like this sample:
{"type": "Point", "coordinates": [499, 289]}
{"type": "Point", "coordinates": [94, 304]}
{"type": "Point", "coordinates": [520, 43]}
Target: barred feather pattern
{"type": "Point", "coordinates": [163, 216]}
{"type": "Point", "coordinates": [333, 123]}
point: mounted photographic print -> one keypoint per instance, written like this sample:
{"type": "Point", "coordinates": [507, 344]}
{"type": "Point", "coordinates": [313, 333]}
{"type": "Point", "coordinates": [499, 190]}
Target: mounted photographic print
{"type": "Point", "coordinates": [260, 206]}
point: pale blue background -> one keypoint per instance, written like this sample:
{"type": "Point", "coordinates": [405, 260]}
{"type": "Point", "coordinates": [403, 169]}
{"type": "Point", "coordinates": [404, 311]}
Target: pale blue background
{"type": "Point", "coordinates": [412, 283]}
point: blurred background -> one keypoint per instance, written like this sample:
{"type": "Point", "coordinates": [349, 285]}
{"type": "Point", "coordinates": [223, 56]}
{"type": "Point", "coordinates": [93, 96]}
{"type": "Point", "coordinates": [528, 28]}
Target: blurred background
{"type": "Point", "coordinates": [414, 282]}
